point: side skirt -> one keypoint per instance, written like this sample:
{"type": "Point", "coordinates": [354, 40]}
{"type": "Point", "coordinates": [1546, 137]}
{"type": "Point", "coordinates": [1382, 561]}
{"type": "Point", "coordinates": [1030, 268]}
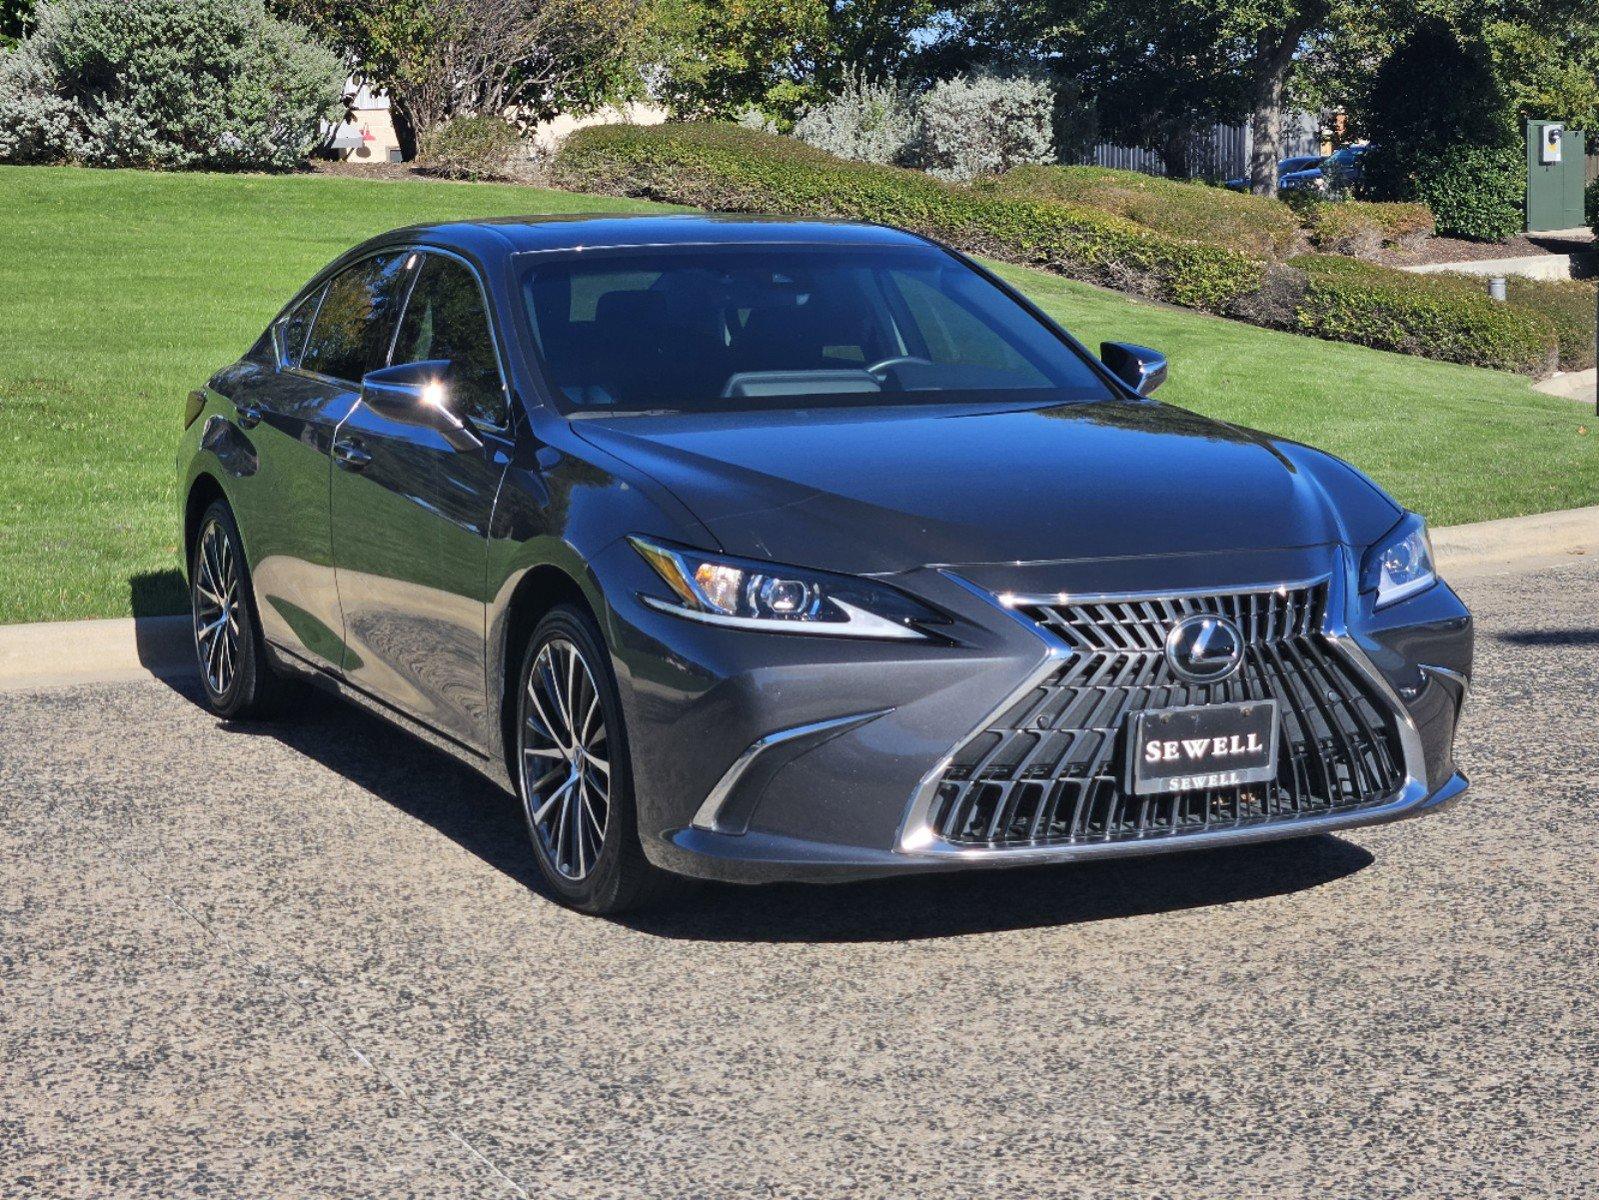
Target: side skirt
{"type": "Point", "coordinates": [492, 769]}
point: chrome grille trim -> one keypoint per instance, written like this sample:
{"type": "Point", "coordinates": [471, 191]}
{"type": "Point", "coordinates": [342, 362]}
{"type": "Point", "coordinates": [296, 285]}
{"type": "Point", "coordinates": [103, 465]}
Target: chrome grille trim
{"type": "Point", "coordinates": [1384, 789]}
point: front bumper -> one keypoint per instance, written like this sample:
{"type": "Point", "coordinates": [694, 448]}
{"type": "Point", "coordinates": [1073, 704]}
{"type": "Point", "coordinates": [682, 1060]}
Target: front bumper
{"type": "Point", "coordinates": [760, 757]}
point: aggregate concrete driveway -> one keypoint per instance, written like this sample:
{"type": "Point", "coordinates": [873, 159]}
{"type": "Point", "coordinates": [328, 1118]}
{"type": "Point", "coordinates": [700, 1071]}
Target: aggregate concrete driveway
{"type": "Point", "coordinates": [306, 960]}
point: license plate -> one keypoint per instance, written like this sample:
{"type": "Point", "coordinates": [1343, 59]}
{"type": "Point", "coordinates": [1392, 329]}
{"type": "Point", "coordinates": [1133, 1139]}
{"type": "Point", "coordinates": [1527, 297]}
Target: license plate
{"type": "Point", "coordinates": [1207, 746]}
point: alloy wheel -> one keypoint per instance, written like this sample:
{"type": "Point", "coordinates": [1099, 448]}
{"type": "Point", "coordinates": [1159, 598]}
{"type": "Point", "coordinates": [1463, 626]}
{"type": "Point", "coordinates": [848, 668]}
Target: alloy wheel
{"type": "Point", "coordinates": [217, 616]}
{"type": "Point", "coordinates": [565, 760]}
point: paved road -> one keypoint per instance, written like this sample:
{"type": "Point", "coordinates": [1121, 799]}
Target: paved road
{"type": "Point", "coordinates": [307, 960]}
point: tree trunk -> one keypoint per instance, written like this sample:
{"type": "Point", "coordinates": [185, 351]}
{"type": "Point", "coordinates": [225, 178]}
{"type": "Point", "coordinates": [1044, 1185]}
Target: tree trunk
{"type": "Point", "coordinates": [1274, 55]}
{"type": "Point", "coordinates": [1174, 154]}
{"type": "Point", "coordinates": [404, 130]}
{"type": "Point", "coordinates": [1273, 60]}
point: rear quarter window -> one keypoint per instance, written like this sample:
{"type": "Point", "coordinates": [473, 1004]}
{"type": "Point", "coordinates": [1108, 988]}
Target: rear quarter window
{"type": "Point", "coordinates": [351, 333]}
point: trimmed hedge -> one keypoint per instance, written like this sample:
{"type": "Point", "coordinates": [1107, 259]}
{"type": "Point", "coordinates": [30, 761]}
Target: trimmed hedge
{"type": "Point", "coordinates": [1569, 306]}
{"type": "Point", "coordinates": [734, 169]}
{"type": "Point", "coordinates": [1361, 228]}
{"type": "Point", "coordinates": [477, 148]}
{"type": "Point", "coordinates": [1592, 205]}
{"type": "Point", "coordinates": [728, 168]}
{"type": "Point", "coordinates": [1448, 317]}
{"type": "Point", "coordinates": [1253, 225]}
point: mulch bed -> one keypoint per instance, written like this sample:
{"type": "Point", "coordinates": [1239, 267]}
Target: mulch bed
{"type": "Point", "coordinates": [1448, 249]}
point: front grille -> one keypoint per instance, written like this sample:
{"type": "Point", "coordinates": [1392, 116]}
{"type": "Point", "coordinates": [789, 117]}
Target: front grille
{"type": "Point", "coordinates": [1048, 770]}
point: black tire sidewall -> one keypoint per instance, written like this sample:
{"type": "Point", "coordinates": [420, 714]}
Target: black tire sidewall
{"type": "Point", "coordinates": [243, 694]}
{"type": "Point", "coordinates": [611, 884]}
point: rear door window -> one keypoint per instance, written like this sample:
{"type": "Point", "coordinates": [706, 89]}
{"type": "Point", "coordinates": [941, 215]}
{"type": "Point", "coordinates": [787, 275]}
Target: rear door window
{"type": "Point", "coordinates": [296, 327]}
{"type": "Point", "coordinates": [445, 319]}
{"type": "Point", "coordinates": [356, 321]}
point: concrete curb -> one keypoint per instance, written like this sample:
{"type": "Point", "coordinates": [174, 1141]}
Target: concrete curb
{"type": "Point", "coordinates": [59, 653]}
{"type": "Point", "coordinates": [62, 653]}
{"type": "Point", "coordinates": [1522, 543]}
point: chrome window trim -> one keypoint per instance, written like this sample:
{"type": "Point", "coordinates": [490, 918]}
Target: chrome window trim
{"type": "Point", "coordinates": [413, 273]}
{"type": "Point", "coordinates": [917, 838]}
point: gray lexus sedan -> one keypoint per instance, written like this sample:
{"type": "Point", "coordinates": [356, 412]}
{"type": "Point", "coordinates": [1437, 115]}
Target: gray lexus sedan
{"type": "Point", "coordinates": [758, 549]}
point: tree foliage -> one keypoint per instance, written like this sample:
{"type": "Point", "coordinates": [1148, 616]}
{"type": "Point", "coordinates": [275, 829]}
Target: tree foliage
{"type": "Point", "coordinates": [1447, 107]}
{"type": "Point", "coordinates": [718, 58]}
{"type": "Point", "coordinates": [442, 59]}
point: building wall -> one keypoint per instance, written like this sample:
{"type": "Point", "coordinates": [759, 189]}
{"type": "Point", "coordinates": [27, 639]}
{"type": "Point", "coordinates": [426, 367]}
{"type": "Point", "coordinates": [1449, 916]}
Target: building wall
{"type": "Point", "coordinates": [370, 120]}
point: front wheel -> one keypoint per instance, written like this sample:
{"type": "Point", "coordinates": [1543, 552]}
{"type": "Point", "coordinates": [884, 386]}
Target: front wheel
{"type": "Point", "coordinates": [573, 770]}
{"type": "Point", "coordinates": [237, 678]}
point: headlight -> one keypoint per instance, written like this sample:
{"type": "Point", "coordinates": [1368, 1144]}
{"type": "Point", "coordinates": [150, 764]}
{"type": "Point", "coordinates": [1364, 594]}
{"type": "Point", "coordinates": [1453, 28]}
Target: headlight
{"type": "Point", "coordinates": [753, 595]}
{"type": "Point", "coordinates": [1400, 564]}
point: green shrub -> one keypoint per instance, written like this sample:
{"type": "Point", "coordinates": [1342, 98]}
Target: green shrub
{"type": "Point", "coordinates": [1477, 192]}
{"type": "Point", "coordinates": [1361, 228]}
{"type": "Point", "coordinates": [166, 83]}
{"type": "Point", "coordinates": [471, 148]}
{"type": "Point", "coordinates": [1253, 225]}
{"type": "Point", "coordinates": [734, 169]}
{"type": "Point", "coordinates": [1438, 316]}
{"type": "Point", "coordinates": [1445, 131]}
{"type": "Point", "coordinates": [1569, 306]}
{"type": "Point", "coordinates": [1592, 206]}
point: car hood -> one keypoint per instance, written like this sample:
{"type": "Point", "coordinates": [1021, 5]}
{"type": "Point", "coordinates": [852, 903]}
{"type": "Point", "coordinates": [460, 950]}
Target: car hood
{"type": "Point", "coordinates": [876, 490]}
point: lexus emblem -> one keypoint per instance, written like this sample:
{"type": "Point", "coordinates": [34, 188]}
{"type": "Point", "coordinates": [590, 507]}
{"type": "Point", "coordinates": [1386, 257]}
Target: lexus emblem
{"type": "Point", "coordinates": [1204, 648]}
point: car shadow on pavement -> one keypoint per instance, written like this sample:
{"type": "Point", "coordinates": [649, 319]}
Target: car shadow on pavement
{"type": "Point", "coordinates": [952, 905]}
{"type": "Point", "coordinates": [487, 822]}
{"type": "Point", "coordinates": [1549, 637]}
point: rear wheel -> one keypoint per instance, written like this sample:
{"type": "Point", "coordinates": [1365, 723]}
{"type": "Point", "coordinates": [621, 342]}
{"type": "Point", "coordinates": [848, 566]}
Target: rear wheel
{"type": "Point", "coordinates": [235, 673]}
{"type": "Point", "coordinates": [573, 770]}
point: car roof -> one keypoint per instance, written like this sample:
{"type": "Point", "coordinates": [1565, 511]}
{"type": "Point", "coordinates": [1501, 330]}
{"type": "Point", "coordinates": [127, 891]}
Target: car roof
{"type": "Point", "coordinates": [520, 235]}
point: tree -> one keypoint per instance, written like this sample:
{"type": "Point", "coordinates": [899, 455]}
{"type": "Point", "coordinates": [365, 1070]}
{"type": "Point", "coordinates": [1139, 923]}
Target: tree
{"type": "Point", "coordinates": [1446, 110]}
{"type": "Point", "coordinates": [440, 59]}
{"type": "Point", "coordinates": [1264, 38]}
{"type": "Point", "coordinates": [719, 58]}
{"type": "Point", "coordinates": [1136, 72]}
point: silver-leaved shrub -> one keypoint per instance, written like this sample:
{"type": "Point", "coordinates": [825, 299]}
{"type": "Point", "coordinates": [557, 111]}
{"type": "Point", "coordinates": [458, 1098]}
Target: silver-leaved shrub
{"type": "Point", "coordinates": [975, 125]}
{"type": "Point", "coordinates": [166, 84]}
{"type": "Point", "coordinates": [865, 121]}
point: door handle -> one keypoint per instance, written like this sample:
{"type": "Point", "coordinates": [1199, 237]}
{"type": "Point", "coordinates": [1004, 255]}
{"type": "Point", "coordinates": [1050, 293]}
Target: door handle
{"type": "Point", "coordinates": [350, 455]}
{"type": "Point", "coordinates": [249, 415]}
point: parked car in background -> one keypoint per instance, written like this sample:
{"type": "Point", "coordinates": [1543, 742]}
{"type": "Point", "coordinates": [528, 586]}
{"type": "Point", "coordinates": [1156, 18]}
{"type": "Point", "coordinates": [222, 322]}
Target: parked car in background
{"type": "Point", "coordinates": [756, 549]}
{"type": "Point", "coordinates": [1285, 168]}
{"type": "Point", "coordinates": [1339, 171]}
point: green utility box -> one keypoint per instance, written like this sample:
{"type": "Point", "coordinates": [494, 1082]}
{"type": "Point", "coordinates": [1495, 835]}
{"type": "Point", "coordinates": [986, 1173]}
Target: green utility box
{"type": "Point", "coordinates": [1556, 167]}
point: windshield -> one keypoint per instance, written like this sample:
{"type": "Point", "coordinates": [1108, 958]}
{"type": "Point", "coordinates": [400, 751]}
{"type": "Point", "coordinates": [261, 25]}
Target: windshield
{"type": "Point", "coordinates": [739, 327]}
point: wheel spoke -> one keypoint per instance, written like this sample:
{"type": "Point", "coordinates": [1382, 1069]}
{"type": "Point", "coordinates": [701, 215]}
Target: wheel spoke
{"type": "Point", "coordinates": [548, 730]}
{"type": "Point", "coordinates": [554, 798]}
{"type": "Point", "coordinates": [562, 732]}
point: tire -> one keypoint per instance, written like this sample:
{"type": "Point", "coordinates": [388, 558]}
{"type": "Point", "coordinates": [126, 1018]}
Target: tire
{"type": "Point", "coordinates": [590, 860]}
{"type": "Point", "coordinates": [236, 675]}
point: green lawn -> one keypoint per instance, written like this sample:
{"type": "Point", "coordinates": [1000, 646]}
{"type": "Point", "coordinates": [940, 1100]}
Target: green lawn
{"type": "Point", "coordinates": [121, 290]}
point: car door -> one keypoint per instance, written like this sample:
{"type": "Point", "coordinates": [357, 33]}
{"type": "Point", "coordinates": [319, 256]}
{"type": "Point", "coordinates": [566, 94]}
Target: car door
{"type": "Point", "coordinates": [411, 516]}
{"type": "Point", "coordinates": [289, 415]}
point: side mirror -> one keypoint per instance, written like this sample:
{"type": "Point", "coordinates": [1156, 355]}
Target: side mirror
{"type": "Point", "coordinates": [418, 394]}
{"type": "Point", "coordinates": [1139, 367]}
